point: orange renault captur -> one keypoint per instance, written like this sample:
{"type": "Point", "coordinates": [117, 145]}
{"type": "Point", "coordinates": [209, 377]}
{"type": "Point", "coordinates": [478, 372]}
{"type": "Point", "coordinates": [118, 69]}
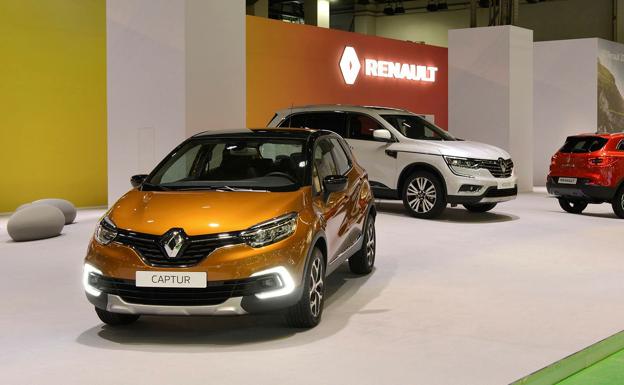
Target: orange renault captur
{"type": "Point", "coordinates": [232, 223]}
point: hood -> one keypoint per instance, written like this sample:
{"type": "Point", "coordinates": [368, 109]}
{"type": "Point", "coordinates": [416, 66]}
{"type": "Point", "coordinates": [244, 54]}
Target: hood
{"type": "Point", "coordinates": [201, 212]}
{"type": "Point", "coordinates": [464, 149]}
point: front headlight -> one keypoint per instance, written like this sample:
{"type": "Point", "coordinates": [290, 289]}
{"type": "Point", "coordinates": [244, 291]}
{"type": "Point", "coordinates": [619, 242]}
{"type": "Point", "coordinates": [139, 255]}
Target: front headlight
{"type": "Point", "coordinates": [88, 274]}
{"type": "Point", "coordinates": [462, 166]}
{"type": "Point", "coordinates": [271, 231]}
{"type": "Point", "coordinates": [105, 232]}
{"type": "Point", "coordinates": [462, 162]}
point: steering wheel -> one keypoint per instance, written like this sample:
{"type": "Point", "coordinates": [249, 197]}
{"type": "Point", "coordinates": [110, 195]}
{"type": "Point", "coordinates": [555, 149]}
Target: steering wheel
{"type": "Point", "coordinates": [283, 175]}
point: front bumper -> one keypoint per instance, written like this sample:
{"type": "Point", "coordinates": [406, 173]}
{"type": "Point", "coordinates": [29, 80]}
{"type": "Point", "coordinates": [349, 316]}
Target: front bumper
{"type": "Point", "coordinates": [116, 304]}
{"type": "Point", "coordinates": [218, 298]}
{"type": "Point", "coordinates": [581, 190]}
{"type": "Point", "coordinates": [489, 189]}
{"type": "Point", "coordinates": [491, 195]}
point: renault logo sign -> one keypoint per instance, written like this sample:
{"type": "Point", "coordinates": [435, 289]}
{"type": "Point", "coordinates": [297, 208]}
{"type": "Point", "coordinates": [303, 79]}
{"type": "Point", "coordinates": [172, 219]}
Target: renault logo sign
{"type": "Point", "coordinates": [501, 163]}
{"type": "Point", "coordinates": [173, 242]}
{"type": "Point", "coordinates": [350, 66]}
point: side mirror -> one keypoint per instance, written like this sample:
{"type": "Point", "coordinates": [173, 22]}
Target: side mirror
{"type": "Point", "coordinates": [138, 180]}
{"type": "Point", "coordinates": [335, 183]}
{"type": "Point", "coordinates": [382, 135]}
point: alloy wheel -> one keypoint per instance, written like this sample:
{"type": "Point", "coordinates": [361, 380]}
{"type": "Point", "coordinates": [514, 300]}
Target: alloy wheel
{"type": "Point", "coordinates": [370, 243]}
{"type": "Point", "coordinates": [421, 195]}
{"type": "Point", "coordinates": [316, 287]}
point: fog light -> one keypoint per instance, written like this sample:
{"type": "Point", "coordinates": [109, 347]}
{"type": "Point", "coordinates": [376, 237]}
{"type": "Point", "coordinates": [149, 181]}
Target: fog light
{"type": "Point", "coordinates": [90, 276]}
{"type": "Point", "coordinates": [470, 188]}
{"type": "Point", "coordinates": [279, 277]}
{"type": "Point", "coordinates": [269, 282]}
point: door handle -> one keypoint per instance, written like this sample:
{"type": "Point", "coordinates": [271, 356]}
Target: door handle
{"type": "Point", "coordinates": [392, 153]}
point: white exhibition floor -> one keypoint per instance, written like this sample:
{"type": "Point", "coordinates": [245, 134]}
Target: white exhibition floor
{"type": "Point", "coordinates": [467, 299]}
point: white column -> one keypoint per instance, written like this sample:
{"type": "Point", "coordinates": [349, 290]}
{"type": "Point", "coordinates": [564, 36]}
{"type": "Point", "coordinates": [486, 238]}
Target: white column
{"type": "Point", "coordinates": [316, 12]}
{"type": "Point", "coordinates": [565, 99]}
{"type": "Point", "coordinates": [145, 86]}
{"type": "Point", "coordinates": [491, 91]}
{"type": "Point", "coordinates": [215, 65]}
{"type": "Point", "coordinates": [174, 68]}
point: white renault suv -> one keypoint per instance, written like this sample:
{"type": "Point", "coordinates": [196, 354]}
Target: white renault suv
{"type": "Point", "coordinates": [409, 158]}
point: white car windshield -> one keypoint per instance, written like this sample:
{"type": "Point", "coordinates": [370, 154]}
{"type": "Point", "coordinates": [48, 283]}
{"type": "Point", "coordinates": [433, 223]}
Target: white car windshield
{"type": "Point", "coordinates": [415, 127]}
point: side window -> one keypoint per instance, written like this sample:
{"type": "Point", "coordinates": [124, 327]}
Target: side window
{"type": "Point", "coordinates": [332, 121]}
{"type": "Point", "coordinates": [620, 146]}
{"type": "Point", "coordinates": [412, 127]}
{"type": "Point", "coordinates": [362, 126]}
{"type": "Point", "coordinates": [341, 159]}
{"type": "Point", "coordinates": [324, 164]}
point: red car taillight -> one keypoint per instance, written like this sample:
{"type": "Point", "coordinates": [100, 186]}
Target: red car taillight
{"type": "Point", "coordinates": [553, 160]}
{"type": "Point", "coordinates": [602, 161]}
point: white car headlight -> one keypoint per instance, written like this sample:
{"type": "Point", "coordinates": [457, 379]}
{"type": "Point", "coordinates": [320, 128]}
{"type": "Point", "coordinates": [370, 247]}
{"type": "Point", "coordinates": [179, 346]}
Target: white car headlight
{"type": "Point", "coordinates": [462, 166]}
{"type": "Point", "coordinates": [88, 272]}
{"type": "Point", "coordinates": [462, 162]}
{"type": "Point", "coordinates": [271, 231]}
{"type": "Point", "coordinates": [105, 232]}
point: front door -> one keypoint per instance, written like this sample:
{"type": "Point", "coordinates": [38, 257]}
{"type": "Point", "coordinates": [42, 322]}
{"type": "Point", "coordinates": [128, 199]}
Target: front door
{"type": "Point", "coordinates": [334, 207]}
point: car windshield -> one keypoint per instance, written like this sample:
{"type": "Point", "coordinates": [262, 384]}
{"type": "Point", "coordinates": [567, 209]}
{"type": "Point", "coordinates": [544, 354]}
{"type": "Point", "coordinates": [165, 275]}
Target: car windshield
{"type": "Point", "coordinates": [582, 144]}
{"type": "Point", "coordinates": [232, 164]}
{"type": "Point", "coordinates": [415, 127]}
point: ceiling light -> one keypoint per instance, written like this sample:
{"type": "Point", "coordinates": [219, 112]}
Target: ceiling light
{"type": "Point", "coordinates": [388, 10]}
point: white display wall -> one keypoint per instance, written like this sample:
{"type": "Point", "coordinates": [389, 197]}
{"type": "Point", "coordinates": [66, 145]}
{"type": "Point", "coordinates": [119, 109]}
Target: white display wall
{"type": "Point", "coordinates": [145, 86]}
{"type": "Point", "coordinates": [491, 91]}
{"type": "Point", "coordinates": [174, 68]}
{"type": "Point", "coordinates": [564, 97]}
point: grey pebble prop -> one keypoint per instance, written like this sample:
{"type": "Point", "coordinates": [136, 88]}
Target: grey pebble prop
{"type": "Point", "coordinates": [35, 222]}
{"type": "Point", "coordinates": [66, 207]}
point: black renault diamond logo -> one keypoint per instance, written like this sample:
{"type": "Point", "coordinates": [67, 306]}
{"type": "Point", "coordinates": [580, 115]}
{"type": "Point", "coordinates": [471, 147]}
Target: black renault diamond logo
{"type": "Point", "coordinates": [173, 242]}
{"type": "Point", "coordinates": [501, 163]}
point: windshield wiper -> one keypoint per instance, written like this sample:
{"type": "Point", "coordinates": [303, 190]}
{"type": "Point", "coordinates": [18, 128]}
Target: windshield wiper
{"type": "Point", "coordinates": [230, 188]}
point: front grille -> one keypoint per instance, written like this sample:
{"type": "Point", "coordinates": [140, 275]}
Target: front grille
{"type": "Point", "coordinates": [494, 167]}
{"type": "Point", "coordinates": [215, 293]}
{"type": "Point", "coordinates": [149, 247]}
{"type": "Point", "coordinates": [494, 192]}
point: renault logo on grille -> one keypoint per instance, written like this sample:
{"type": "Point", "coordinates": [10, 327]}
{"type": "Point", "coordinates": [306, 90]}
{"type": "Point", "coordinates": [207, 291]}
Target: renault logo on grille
{"type": "Point", "coordinates": [501, 163]}
{"type": "Point", "coordinates": [173, 242]}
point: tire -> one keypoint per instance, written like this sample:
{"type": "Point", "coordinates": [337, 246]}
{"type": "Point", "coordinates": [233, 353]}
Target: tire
{"type": "Point", "coordinates": [618, 203]}
{"type": "Point", "coordinates": [480, 207]}
{"type": "Point", "coordinates": [116, 319]}
{"type": "Point", "coordinates": [423, 195]}
{"type": "Point", "coordinates": [363, 260]}
{"type": "Point", "coordinates": [572, 206]}
{"type": "Point", "coordinates": [307, 313]}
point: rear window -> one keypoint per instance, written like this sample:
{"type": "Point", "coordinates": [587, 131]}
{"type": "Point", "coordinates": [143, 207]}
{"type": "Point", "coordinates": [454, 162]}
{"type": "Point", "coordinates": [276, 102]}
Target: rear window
{"type": "Point", "coordinates": [581, 144]}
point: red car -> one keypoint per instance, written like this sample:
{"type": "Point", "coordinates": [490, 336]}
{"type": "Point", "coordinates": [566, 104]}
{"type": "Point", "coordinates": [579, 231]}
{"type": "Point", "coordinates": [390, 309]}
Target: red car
{"type": "Point", "coordinates": [589, 168]}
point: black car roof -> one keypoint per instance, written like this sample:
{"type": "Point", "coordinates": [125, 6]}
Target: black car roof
{"type": "Point", "coordinates": [283, 133]}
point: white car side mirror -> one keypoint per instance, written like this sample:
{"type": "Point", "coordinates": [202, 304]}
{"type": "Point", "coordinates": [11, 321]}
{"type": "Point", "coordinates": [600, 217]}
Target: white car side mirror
{"type": "Point", "coordinates": [382, 135]}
